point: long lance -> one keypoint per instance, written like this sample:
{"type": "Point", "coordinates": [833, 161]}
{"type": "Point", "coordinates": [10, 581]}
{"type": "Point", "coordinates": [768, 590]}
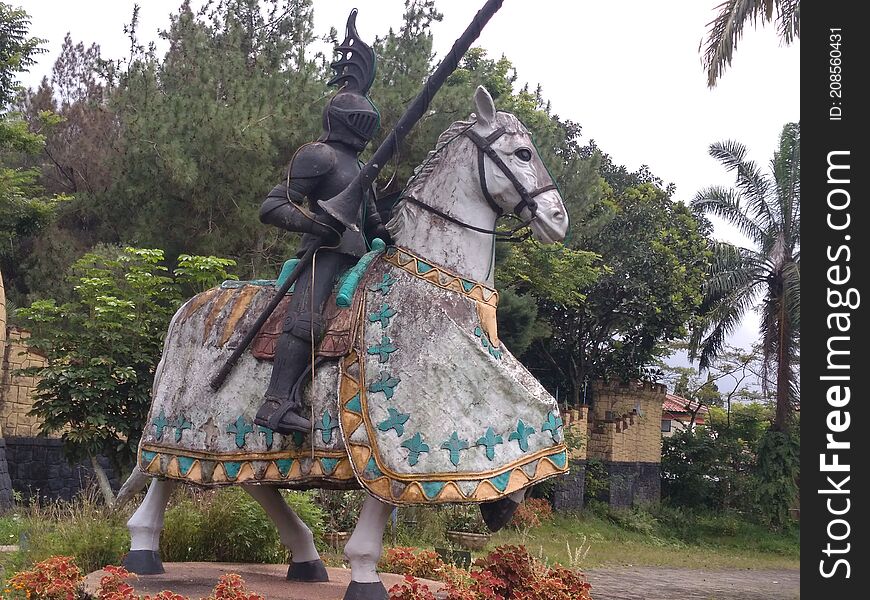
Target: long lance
{"type": "Point", "coordinates": [368, 174]}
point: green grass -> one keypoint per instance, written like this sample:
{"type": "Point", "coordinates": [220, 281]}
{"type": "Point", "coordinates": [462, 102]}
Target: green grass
{"type": "Point", "coordinates": [700, 542]}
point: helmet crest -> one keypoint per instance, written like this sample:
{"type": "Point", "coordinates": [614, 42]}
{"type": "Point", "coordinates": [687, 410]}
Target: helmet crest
{"type": "Point", "coordinates": [355, 70]}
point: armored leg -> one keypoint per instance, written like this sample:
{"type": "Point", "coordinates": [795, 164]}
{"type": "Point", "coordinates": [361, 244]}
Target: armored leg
{"type": "Point", "coordinates": [281, 410]}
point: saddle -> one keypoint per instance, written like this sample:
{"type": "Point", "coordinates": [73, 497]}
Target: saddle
{"type": "Point", "coordinates": [337, 339]}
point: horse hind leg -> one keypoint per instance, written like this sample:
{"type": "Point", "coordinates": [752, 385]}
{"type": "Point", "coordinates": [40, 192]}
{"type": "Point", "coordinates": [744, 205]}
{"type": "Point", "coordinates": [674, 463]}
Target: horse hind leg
{"type": "Point", "coordinates": [145, 526]}
{"type": "Point", "coordinates": [363, 550]}
{"type": "Point", "coordinates": [305, 562]}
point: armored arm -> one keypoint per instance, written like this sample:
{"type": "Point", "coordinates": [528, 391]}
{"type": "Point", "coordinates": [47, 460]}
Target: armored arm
{"type": "Point", "coordinates": [283, 206]}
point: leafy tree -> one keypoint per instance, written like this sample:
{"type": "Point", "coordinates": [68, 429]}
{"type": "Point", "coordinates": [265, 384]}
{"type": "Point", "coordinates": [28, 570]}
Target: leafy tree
{"type": "Point", "coordinates": [765, 208]}
{"type": "Point", "coordinates": [717, 465]}
{"type": "Point", "coordinates": [103, 347]}
{"type": "Point", "coordinates": [726, 29]}
{"type": "Point", "coordinates": [654, 258]}
{"type": "Point", "coordinates": [17, 51]}
{"type": "Point", "coordinates": [24, 208]}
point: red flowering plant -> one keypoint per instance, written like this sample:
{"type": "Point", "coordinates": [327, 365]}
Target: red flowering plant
{"type": "Point", "coordinates": [511, 573]}
{"type": "Point", "coordinates": [113, 585]}
{"type": "Point", "coordinates": [411, 589]}
{"type": "Point", "coordinates": [56, 578]}
{"type": "Point", "coordinates": [416, 562]}
{"type": "Point", "coordinates": [232, 587]}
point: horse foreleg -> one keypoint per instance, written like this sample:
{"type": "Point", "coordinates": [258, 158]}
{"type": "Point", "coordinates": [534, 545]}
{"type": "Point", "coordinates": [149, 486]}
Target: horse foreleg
{"type": "Point", "coordinates": [295, 535]}
{"type": "Point", "coordinates": [363, 550]}
{"type": "Point", "coordinates": [145, 526]}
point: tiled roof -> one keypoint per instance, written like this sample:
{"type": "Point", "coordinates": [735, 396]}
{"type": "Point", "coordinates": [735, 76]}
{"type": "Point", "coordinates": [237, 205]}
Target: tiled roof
{"type": "Point", "coordinates": [677, 405]}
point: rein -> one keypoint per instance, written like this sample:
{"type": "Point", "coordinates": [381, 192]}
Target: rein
{"type": "Point", "coordinates": [527, 198]}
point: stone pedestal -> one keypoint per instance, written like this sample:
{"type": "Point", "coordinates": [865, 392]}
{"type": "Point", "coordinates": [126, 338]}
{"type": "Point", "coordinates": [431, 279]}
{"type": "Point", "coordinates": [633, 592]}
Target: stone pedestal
{"type": "Point", "coordinates": [197, 579]}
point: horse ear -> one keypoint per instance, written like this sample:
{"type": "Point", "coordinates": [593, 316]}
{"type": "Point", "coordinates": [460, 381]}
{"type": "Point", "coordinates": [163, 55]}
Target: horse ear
{"type": "Point", "coordinates": [485, 106]}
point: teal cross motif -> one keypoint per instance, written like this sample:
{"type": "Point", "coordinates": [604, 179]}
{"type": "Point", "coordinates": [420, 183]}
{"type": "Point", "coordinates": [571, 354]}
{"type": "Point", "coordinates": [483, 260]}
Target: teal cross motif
{"type": "Point", "coordinates": [241, 428]}
{"type": "Point", "coordinates": [490, 440]}
{"type": "Point", "coordinates": [385, 383]}
{"type": "Point", "coordinates": [454, 445]}
{"type": "Point", "coordinates": [181, 423]}
{"type": "Point", "coordinates": [552, 424]}
{"type": "Point", "coordinates": [415, 446]}
{"type": "Point", "coordinates": [326, 426]}
{"type": "Point", "coordinates": [298, 438]}
{"type": "Point", "coordinates": [160, 423]}
{"type": "Point", "coordinates": [270, 435]}
{"type": "Point", "coordinates": [521, 435]}
{"type": "Point", "coordinates": [384, 314]}
{"type": "Point", "coordinates": [396, 421]}
{"type": "Point", "coordinates": [384, 285]}
{"type": "Point", "coordinates": [384, 349]}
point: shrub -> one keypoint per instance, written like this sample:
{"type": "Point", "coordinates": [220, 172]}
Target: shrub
{"type": "Point", "coordinates": [226, 525]}
{"type": "Point", "coordinates": [229, 525]}
{"type": "Point", "coordinates": [532, 513]}
{"type": "Point", "coordinates": [340, 508]}
{"type": "Point", "coordinates": [83, 528]}
{"type": "Point", "coordinates": [415, 562]}
{"type": "Point", "coordinates": [596, 482]}
{"type": "Point", "coordinates": [465, 518]}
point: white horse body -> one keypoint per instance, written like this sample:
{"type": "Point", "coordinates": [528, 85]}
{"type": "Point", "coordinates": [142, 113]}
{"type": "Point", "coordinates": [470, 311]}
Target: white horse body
{"type": "Point", "coordinates": [197, 436]}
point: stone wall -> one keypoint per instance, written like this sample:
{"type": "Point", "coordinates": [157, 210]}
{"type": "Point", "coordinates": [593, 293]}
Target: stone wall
{"type": "Point", "coordinates": [30, 464]}
{"type": "Point", "coordinates": [5, 481]}
{"type": "Point", "coordinates": [16, 391]}
{"type": "Point", "coordinates": [568, 490]}
{"type": "Point", "coordinates": [38, 467]}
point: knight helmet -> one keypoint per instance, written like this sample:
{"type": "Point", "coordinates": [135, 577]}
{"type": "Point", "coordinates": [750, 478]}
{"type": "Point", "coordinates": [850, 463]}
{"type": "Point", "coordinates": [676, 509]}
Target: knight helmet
{"type": "Point", "coordinates": [350, 117]}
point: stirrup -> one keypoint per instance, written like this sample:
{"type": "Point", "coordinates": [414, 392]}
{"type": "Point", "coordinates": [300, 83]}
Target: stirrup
{"type": "Point", "coordinates": [286, 420]}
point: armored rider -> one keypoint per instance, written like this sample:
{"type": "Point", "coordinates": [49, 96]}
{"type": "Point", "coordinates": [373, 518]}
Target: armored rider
{"type": "Point", "coordinates": [319, 170]}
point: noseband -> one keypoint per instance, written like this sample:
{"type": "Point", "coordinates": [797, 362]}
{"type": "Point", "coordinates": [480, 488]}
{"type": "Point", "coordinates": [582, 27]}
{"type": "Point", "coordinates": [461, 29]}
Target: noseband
{"type": "Point", "coordinates": [527, 198]}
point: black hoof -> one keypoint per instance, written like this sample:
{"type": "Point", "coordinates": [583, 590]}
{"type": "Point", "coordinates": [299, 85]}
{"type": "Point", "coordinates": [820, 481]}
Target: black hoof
{"type": "Point", "coordinates": [143, 562]}
{"type": "Point", "coordinates": [312, 571]}
{"type": "Point", "coordinates": [366, 591]}
{"type": "Point", "coordinates": [497, 514]}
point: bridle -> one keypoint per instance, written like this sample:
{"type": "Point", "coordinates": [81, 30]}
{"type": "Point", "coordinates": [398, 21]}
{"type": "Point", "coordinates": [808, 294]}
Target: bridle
{"type": "Point", "coordinates": [527, 198]}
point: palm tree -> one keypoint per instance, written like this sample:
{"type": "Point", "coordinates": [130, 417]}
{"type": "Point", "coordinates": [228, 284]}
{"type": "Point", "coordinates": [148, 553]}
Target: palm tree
{"type": "Point", "coordinates": [727, 28]}
{"type": "Point", "coordinates": [766, 209]}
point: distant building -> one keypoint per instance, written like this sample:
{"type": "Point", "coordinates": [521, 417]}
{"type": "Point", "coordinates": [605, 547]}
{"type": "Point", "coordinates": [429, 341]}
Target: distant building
{"type": "Point", "coordinates": [677, 414]}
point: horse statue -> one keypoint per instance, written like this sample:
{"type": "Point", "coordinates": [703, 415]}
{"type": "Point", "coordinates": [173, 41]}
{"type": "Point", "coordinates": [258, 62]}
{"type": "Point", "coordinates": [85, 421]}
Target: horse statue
{"type": "Point", "coordinates": [412, 396]}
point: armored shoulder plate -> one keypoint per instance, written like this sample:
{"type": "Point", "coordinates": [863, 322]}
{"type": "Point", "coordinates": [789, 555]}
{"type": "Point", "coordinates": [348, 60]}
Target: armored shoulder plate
{"type": "Point", "coordinates": [312, 160]}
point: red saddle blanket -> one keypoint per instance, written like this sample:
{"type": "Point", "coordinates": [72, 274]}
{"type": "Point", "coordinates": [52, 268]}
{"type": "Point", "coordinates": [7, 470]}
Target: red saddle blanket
{"type": "Point", "coordinates": [336, 342]}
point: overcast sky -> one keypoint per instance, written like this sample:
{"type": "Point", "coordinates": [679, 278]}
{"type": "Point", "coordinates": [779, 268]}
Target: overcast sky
{"type": "Point", "coordinates": [628, 71]}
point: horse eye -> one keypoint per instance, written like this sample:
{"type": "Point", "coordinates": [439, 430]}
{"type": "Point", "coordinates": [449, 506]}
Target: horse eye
{"type": "Point", "coordinates": [524, 154]}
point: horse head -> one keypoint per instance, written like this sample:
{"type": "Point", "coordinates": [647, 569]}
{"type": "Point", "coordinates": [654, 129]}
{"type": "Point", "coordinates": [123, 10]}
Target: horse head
{"type": "Point", "coordinates": [480, 170]}
{"type": "Point", "coordinates": [515, 176]}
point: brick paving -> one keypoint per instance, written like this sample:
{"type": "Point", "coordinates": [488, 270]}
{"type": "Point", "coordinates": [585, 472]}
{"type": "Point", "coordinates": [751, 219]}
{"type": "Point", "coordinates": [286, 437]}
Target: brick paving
{"type": "Point", "coordinates": [658, 583]}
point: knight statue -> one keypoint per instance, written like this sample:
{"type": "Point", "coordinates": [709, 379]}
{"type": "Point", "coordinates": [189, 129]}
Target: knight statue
{"type": "Point", "coordinates": [320, 170]}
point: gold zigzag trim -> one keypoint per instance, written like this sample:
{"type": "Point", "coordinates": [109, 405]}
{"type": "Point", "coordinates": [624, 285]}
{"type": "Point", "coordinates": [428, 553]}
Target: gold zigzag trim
{"type": "Point", "coordinates": [437, 275]}
{"type": "Point", "coordinates": [166, 464]}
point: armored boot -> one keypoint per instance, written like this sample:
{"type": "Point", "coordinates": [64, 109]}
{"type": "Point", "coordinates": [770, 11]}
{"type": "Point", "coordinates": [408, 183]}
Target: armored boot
{"type": "Point", "coordinates": [281, 407]}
